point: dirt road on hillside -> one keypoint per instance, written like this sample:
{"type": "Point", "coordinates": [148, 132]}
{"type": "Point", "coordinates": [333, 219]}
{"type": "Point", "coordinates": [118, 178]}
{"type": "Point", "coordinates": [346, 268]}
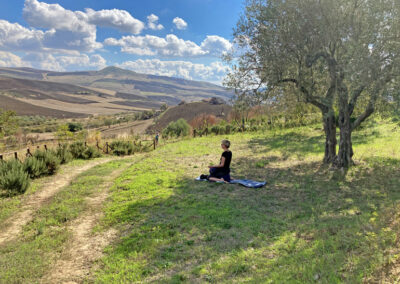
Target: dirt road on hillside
{"type": "Point", "coordinates": [33, 202]}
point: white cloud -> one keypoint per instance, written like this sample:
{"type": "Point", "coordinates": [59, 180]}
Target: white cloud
{"type": "Point", "coordinates": [44, 61]}
{"type": "Point", "coordinates": [50, 62]}
{"type": "Point", "coordinates": [180, 23]}
{"type": "Point", "coordinates": [118, 19]}
{"type": "Point", "coordinates": [8, 59]}
{"type": "Point", "coordinates": [214, 72]}
{"type": "Point", "coordinates": [14, 37]}
{"type": "Point", "coordinates": [216, 45]}
{"type": "Point", "coordinates": [170, 46]}
{"type": "Point", "coordinates": [67, 29]}
{"type": "Point", "coordinates": [152, 23]}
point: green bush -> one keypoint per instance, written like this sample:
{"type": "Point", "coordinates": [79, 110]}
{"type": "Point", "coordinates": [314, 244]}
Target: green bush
{"type": "Point", "coordinates": [50, 159]}
{"type": "Point", "coordinates": [91, 153]}
{"type": "Point", "coordinates": [215, 129]}
{"type": "Point", "coordinates": [228, 129]}
{"type": "Point", "coordinates": [77, 149]}
{"type": "Point", "coordinates": [13, 177]}
{"type": "Point", "coordinates": [75, 126]}
{"type": "Point", "coordinates": [178, 128]}
{"type": "Point", "coordinates": [35, 167]}
{"type": "Point", "coordinates": [63, 154]}
{"type": "Point", "coordinates": [80, 151]}
{"type": "Point", "coordinates": [121, 148]}
{"type": "Point", "coordinates": [42, 163]}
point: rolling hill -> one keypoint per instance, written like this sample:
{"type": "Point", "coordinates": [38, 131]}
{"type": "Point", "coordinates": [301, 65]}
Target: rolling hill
{"type": "Point", "coordinates": [188, 112]}
{"type": "Point", "coordinates": [110, 90]}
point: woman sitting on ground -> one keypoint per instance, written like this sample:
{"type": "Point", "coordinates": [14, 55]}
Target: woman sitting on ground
{"type": "Point", "coordinates": [221, 172]}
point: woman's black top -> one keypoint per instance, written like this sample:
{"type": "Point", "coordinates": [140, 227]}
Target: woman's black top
{"type": "Point", "coordinates": [228, 158]}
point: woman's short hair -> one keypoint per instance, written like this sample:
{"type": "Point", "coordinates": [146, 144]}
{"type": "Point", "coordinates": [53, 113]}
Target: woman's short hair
{"type": "Point", "coordinates": [226, 143]}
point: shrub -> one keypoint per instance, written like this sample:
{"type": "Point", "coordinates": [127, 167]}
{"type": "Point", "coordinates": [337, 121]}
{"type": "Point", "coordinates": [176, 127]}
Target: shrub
{"type": "Point", "coordinates": [215, 129]}
{"type": "Point", "coordinates": [42, 163]}
{"type": "Point", "coordinates": [63, 154]}
{"type": "Point", "coordinates": [203, 120]}
{"type": "Point", "coordinates": [34, 167]}
{"type": "Point", "coordinates": [50, 159]}
{"type": "Point", "coordinates": [77, 149]}
{"type": "Point", "coordinates": [178, 128]}
{"type": "Point", "coordinates": [228, 129]}
{"type": "Point", "coordinates": [13, 177]}
{"type": "Point", "coordinates": [91, 153]}
{"type": "Point", "coordinates": [80, 151]}
{"type": "Point", "coordinates": [121, 148]}
{"type": "Point", "coordinates": [74, 127]}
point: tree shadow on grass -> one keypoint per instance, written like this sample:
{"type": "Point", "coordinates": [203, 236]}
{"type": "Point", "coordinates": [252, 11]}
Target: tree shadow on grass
{"type": "Point", "coordinates": [289, 144]}
{"type": "Point", "coordinates": [302, 144]}
{"type": "Point", "coordinates": [308, 222]}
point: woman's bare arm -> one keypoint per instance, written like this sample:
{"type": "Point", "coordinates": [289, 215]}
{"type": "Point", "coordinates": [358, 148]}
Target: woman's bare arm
{"type": "Point", "coordinates": [221, 164]}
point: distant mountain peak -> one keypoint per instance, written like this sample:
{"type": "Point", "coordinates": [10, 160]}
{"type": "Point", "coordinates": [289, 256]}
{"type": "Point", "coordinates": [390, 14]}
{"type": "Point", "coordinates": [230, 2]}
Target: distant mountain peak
{"type": "Point", "coordinates": [115, 70]}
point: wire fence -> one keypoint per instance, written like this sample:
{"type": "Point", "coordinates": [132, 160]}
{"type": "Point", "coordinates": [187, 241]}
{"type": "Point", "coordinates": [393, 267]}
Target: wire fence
{"type": "Point", "coordinates": [27, 150]}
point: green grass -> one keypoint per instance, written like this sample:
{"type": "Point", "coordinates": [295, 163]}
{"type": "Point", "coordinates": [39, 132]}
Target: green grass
{"type": "Point", "coordinates": [310, 224]}
{"type": "Point", "coordinates": [9, 206]}
{"type": "Point", "coordinates": [29, 257]}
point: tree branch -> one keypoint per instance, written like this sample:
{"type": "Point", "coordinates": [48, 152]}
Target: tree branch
{"type": "Point", "coordinates": [367, 113]}
{"type": "Point", "coordinates": [310, 60]}
{"type": "Point", "coordinates": [354, 98]}
{"type": "Point", "coordinates": [309, 98]}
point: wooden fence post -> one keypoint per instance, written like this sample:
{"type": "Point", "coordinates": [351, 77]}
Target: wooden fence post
{"type": "Point", "coordinates": [106, 147]}
{"type": "Point", "coordinates": [16, 155]}
{"type": "Point", "coordinates": [154, 143]}
{"type": "Point", "coordinates": [1, 157]}
{"type": "Point", "coordinates": [194, 133]}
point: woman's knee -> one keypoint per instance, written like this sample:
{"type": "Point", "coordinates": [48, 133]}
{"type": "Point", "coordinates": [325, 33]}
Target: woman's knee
{"type": "Point", "coordinates": [213, 171]}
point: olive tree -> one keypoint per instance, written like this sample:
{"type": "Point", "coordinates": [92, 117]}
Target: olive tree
{"type": "Point", "coordinates": [332, 52]}
{"type": "Point", "coordinates": [8, 123]}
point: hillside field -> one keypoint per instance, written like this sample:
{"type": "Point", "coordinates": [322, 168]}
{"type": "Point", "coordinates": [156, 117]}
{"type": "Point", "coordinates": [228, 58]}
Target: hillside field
{"type": "Point", "coordinates": [156, 224]}
{"type": "Point", "coordinates": [108, 91]}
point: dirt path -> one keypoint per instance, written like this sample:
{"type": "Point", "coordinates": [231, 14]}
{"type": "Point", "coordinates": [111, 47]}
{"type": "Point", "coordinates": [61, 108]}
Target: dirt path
{"type": "Point", "coordinates": [85, 247]}
{"type": "Point", "coordinates": [36, 200]}
{"type": "Point", "coordinates": [137, 127]}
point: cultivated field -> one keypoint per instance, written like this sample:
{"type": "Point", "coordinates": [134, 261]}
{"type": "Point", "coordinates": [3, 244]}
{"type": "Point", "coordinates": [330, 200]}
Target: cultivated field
{"type": "Point", "coordinates": [144, 219]}
{"type": "Point", "coordinates": [108, 91]}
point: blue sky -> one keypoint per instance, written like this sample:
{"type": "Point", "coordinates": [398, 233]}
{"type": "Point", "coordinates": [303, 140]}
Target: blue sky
{"type": "Point", "coordinates": [180, 38]}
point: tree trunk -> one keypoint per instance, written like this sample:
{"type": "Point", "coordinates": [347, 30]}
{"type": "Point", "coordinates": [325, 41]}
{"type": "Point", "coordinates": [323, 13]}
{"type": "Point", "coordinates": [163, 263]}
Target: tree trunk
{"type": "Point", "coordinates": [345, 155]}
{"type": "Point", "coordinates": [330, 137]}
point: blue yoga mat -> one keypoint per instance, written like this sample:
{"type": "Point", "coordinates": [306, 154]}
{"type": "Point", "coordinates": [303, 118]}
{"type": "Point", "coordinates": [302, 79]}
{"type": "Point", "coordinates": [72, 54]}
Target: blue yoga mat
{"type": "Point", "coordinates": [244, 182]}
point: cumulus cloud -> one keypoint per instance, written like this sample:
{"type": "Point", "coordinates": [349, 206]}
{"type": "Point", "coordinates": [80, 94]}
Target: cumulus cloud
{"type": "Point", "coordinates": [152, 23]}
{"type": "Point", "coordinates": [170, 46]}
{"type": "Point", "coordinates": [180, 23]}
{"type": "Point", "coordinates": [216, 45]}
{"type": "Point", "coordinates": [14, 37]}
{"type": "Point", "coordinates": [8, 59]}
{"type": "Point", "coordinates": [50, 62]}
{"type": "Point", "coordinates": [66, 29]}
{"type": "Point", "coordinates": [76, 30]}
{"type": "Point", "coordinates": [214, 72]}
{"type": "Point", "coordinates": [118, 19]}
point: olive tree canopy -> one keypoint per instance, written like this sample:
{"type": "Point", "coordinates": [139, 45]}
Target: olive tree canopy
{"type": "Point", "coordinates": [339, 55]}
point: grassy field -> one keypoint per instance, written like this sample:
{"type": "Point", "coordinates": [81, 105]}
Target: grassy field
{"type": "Point", "coordinates": [308, 225]}
{"type": "Point", "coordinates": [28, 258]}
